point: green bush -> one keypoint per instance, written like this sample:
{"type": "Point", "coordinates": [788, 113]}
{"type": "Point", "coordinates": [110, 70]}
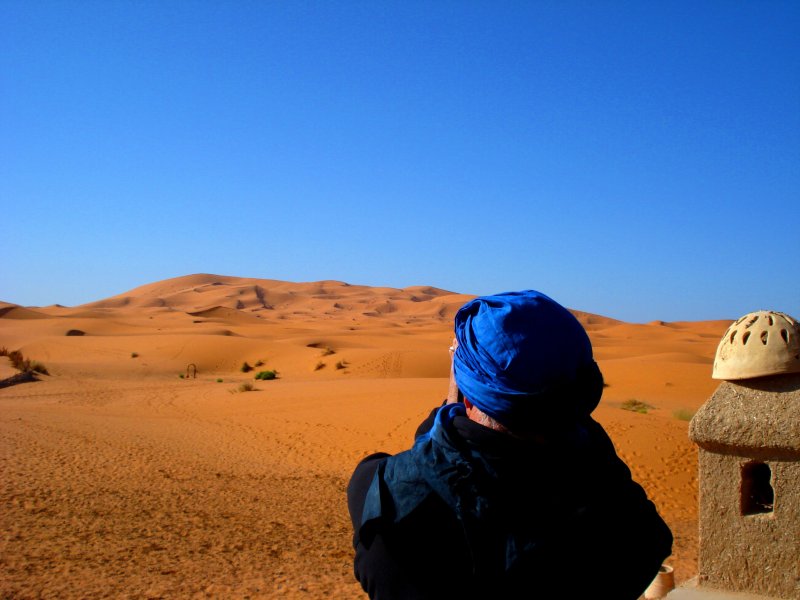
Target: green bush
{"type": "Point", "coordinates": [266, 375]}
{"type": "Point", "coordinates": [683, 414]}
{"type": "Point", "coordinates": [635, 405]}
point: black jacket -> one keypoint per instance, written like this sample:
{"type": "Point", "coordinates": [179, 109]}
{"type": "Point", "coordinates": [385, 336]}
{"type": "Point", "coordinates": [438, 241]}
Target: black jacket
{"type": "Point", "coordinates": [588, 528]}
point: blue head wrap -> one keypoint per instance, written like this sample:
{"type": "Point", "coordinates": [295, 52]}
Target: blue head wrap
{"type": "Point", "coordinates": [525, 360]}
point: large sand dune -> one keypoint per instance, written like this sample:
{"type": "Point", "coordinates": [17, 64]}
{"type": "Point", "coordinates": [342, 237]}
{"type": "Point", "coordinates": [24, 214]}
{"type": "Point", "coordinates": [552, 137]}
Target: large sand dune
{"type": "Point", "coordinates": [121, 479]}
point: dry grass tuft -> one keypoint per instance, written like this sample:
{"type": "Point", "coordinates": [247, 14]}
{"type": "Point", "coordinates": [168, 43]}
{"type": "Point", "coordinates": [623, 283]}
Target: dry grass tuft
{"type": "Point", "coordinates": [244, 387]}
{"type": "Point", "coordinates": [20, 363]}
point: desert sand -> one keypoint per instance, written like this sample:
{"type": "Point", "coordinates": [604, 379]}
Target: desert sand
{"type": "Point", "coordinates": [120, 478]}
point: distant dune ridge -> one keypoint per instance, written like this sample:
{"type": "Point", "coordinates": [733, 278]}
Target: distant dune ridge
{"type": "Point", "coordinates": [180, 487]}
{"type": "Point", "coordinates": [267, 317]}
{"type": "Point", "coordinates": [193, 293]}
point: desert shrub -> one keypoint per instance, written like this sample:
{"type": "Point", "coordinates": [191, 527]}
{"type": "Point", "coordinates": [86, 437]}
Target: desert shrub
{"type": "Point", "coordinates": [134, 354]}
{"type": "Point", "coordinates": [328, 351]}
{"type": "Point", "coordinates": [73, 332]}
{"type": "Point", "coordinates": [219, 380]}
{"type": "Point", "coordinates": [244, 387]}
{"type": "Point", "coordinates": [319, 365]}
{"type": "Point", "coordinates": [17, 360]}
{"type": "Point", "coordinates": [635, 405]}
{"type": "Point", "coordinates": [181, 375]}
{"type": "Point", "coordinates": [341, 365]}
{"type": "Point", "coordinates": [20, 363]}
{"type": "Point", "coordinates": [38, 367]}
{"type": "Point", "coordinates": [3, 351]}
{"type": "Point", "coordinates": [266, 375]}
{"type": "Point", "coordinates": [259, 363]}
{"type": "Point", "coordinates": [246, 368]}
{"type": "Point", "coordinates": [683, 414]}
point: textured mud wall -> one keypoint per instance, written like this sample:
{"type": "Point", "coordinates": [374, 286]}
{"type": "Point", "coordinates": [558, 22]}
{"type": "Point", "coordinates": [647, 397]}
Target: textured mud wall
{"type": "Point", "coordinates": [758, 553]}
{"type": "Point", "coordinates": [755, 421]}
{"type": "Point", "coordinates": [757, 414]}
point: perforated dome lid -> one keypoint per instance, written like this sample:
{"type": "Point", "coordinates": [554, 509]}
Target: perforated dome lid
{"type": "Point", "coordinates": [761, 343]}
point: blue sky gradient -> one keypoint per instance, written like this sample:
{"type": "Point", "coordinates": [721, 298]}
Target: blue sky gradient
{"type": "Point", "coordinates": [639, 160]}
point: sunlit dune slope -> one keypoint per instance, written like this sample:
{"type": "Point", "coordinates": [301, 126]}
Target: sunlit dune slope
{"type": "Point", "coordinates": [313, 330]}
{"type": "Point", "coordinates": [217, 323]}
{"type": "Point", "coordinates": [113, 433]}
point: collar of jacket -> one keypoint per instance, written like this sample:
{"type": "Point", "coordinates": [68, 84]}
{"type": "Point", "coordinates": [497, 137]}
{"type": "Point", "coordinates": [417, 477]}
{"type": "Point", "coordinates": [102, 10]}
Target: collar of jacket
{"type": "Point", "coordinates": [442, 462]}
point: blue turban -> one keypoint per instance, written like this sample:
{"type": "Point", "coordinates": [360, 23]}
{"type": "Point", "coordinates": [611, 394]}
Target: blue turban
{"type": "Point", "coordinates": [525, 360]}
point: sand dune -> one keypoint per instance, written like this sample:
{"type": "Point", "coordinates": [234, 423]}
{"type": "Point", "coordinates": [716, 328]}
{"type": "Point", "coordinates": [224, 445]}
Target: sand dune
{"type": "Point", "coordinates": [17, 312]}
{"type": "Point", "coordinates": [271, 298]}
{"type": "Point", "coordinates": [120, 478]}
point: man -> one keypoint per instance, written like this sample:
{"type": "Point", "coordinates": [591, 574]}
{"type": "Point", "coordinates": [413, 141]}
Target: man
{"type": "Point", "coordinates": [513, 491]}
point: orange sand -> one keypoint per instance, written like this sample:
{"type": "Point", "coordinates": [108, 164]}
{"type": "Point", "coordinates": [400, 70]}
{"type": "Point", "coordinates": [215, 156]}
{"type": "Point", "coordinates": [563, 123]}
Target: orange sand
{"type": "Point", "coordinates": [121, 479]}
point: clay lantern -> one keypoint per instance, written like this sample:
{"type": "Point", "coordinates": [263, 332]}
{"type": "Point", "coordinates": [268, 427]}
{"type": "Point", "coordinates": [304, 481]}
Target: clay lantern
{"type": "Point", "coordinates": [748, 435]}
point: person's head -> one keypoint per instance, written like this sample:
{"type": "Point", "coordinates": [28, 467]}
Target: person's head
{"type": "Point", "coordinates": [525, 361]}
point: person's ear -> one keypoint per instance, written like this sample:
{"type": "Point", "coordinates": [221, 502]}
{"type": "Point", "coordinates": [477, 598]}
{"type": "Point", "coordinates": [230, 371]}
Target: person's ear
{"type": "Point", "coordinates": [453, 395]}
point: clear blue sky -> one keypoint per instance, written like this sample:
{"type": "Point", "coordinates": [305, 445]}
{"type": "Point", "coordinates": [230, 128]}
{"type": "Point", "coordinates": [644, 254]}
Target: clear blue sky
{"type": "Point", "coordinates": [637, 159]}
